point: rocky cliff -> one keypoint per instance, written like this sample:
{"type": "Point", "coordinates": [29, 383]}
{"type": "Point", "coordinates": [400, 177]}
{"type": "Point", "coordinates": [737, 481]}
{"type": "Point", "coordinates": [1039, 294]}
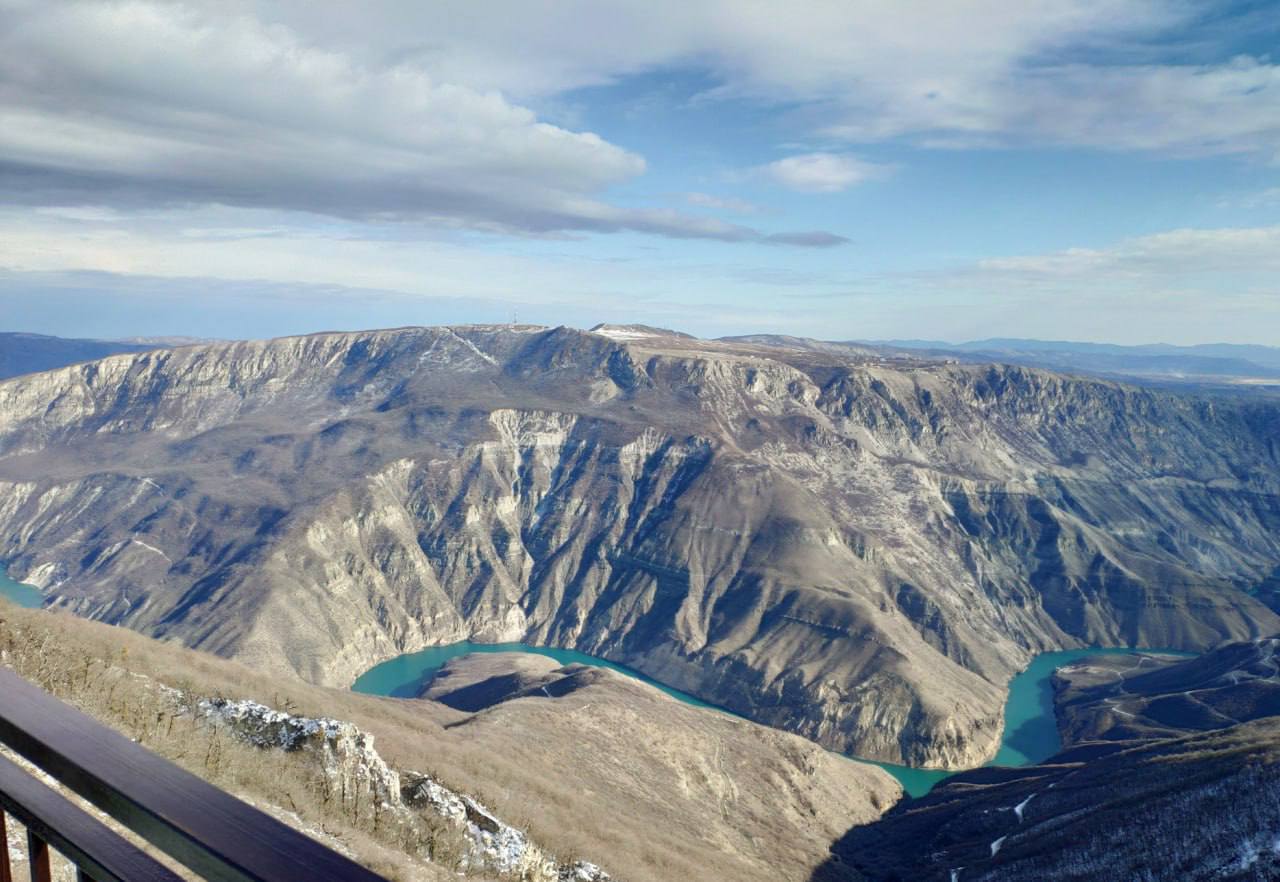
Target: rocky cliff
{"type": "Point", "coordinates": [858, 550]}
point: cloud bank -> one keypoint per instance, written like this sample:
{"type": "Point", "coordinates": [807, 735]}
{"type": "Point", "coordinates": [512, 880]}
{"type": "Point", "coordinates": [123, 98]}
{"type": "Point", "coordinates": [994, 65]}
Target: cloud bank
{"type": "Point", "coordinates": [135, 104]}
{"type": "Point", "coordinates": [1124, 75]}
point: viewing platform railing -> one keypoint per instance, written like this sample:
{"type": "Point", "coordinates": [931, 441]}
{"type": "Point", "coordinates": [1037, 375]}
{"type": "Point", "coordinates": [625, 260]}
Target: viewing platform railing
{"type": "Point", "coordinates": [215, 835]}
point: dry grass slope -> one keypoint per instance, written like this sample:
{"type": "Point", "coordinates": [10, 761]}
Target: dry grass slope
{"type": "Point", "coordinates": [604, 786]}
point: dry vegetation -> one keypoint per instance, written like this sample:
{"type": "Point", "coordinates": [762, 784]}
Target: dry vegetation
{"type": "Point", "coordinates": [121, 683]}
{"type": "Point", "coordinates": [608, 797]}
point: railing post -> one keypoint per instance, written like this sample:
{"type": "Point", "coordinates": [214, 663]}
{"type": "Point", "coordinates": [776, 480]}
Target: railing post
{"type": "Point", "coordinates": [38, 858]}
{"type": "Point", "coordinates": [6, 875]}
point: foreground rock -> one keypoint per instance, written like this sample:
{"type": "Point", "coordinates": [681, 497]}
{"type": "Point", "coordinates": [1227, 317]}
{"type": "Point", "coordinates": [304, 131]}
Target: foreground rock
{"type": "Point", "coordinates": [858, 550]}
{"type": "Point", "coordinates": [353, 771]}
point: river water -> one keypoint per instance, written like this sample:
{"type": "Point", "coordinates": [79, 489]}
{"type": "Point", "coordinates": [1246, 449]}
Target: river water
{"type": "Point", "coordinates": [19, 593]}
{"type": "Point", "coordinates": [1030, 733]}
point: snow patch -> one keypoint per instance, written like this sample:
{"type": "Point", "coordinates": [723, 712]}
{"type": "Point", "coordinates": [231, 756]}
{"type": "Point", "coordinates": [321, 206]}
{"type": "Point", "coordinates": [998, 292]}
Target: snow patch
{"type": "Point", "coordinates": [494, 845]}
{"type": "Point", "coordinates": [484, 356]}
{"type": "Point", "coordinates": [352, 764]}
{"type": "Point", "coordinates": [137, 541]}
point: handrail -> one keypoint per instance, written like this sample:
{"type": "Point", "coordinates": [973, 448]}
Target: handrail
{"type": "Point", "coordinates": [218, 836]}
{"type": "Point", "coordinates": [51, 820]}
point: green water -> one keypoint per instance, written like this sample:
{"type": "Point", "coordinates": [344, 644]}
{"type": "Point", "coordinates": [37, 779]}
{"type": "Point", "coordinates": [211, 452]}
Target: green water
{"type": "Point", "coordinates": [1030, 725]}
{"type": "Point", "coordinates": [405, 675]}
{"type": "Point", "coordinates": [1030, 733]}
{"type": "Point", "coordinates": [22, 595]}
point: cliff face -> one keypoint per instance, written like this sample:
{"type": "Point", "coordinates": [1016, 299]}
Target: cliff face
{"type": "Point", "coordinates": [855, 550]}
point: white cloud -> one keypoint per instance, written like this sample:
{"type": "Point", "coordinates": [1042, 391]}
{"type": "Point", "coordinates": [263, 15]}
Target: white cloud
{"type": "Point", "coordinates": [148, 103]}
{"type": "Point", "coordinates": [958, 73]}
{"type": "Point", "coordinates": [722, 203]}
{"type": "Point", "coordinates": [268, 251]}
{"type": "Point", "coordinates": [410, 111]}
{"type": "Point", "coordinates": [1176, 254]}
{"type": "Point", "coordinates": [1186, 286]}
{"type": "Point", "coordinates": [822, 172]}
{"type": "Point", "coordinates": [1179, 286]}
{"type": "Point", "coordinates": [175, 272]}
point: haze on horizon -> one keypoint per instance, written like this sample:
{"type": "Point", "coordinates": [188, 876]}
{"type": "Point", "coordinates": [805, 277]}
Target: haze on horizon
{"type": "Point", "coordinates": [963, 170]}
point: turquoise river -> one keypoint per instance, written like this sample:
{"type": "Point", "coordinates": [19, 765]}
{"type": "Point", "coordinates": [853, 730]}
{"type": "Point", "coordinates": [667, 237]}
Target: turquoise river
{"type": "Point", "coordinates": [22, 595]}
{"type": "Point", "coordinates": [1030, 734]}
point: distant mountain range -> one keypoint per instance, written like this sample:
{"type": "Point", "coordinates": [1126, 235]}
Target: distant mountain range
{"type": "Point", "coordinates": [23, 353]}
{"type": "Point", "coordinates": [1208, 361]}
{"type": "Point", "coordinates": [31, 353]}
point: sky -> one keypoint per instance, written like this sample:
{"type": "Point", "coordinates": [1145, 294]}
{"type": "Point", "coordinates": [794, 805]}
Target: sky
{"type": "Point", "coordinates": [1104, 170]}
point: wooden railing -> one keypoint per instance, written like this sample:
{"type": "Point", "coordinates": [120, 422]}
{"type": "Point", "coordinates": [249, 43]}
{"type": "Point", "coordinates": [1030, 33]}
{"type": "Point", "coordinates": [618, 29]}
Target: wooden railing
{"type": "Point", "coordinates": [206, 829]}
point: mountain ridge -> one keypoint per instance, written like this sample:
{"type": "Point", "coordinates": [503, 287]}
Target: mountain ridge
{"type": "Point", "coordinates": [830, 543]}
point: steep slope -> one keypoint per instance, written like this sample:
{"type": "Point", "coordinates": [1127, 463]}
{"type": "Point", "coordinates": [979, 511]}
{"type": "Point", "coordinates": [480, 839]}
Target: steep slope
{"type": "Point", "coordinates": [857, 550]}
{"type": "Point", "coordinates": [1171, 771]}
{"type": "Point", "coordinates": [624, 777]}
{"type": "Point", "coordinates": [1140, 697]}
{"type": "Point", "coordinates": [1175, 810]}
{"type": "Point", "coordinates": [770, 803]}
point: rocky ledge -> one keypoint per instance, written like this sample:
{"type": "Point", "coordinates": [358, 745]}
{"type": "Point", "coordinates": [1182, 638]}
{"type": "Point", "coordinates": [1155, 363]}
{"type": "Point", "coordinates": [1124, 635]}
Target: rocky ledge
{"type": "Point", "coordinates": [354, 768]}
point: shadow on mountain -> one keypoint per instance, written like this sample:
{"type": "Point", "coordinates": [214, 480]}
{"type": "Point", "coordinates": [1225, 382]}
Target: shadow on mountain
{"type": "Point", "coordinates": [1196, 808]}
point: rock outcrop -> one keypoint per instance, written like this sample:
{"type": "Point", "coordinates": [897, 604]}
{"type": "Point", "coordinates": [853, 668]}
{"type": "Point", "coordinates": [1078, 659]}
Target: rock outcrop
{"type": "Point", "coordinates": [356, 773]}
{"type": "Point", "coordinates": [855, 549]}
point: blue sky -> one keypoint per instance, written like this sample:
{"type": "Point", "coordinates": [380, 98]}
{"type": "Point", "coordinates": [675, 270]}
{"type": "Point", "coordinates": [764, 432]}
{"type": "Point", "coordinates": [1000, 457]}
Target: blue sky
{"type": "Point", "coordinates": [848, 170]}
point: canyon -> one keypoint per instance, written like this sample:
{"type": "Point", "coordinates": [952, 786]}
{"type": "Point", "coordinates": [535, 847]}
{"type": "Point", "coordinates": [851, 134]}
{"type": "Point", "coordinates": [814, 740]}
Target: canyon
{"type": "Point", "coordinates": [856, 548]}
